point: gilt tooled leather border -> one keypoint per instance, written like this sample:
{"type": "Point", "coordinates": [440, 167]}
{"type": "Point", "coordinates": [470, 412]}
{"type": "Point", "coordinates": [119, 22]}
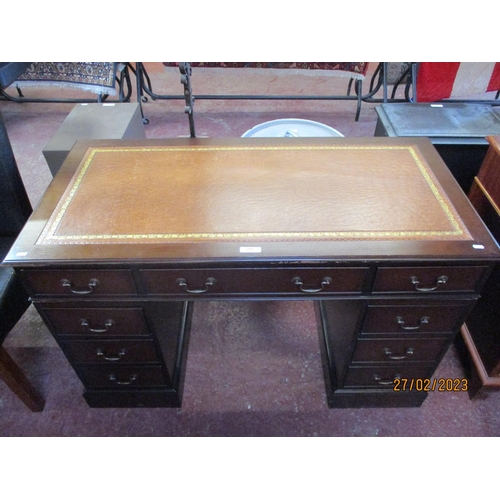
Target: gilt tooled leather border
{"type": "Point", "coordinates": [49, 234]}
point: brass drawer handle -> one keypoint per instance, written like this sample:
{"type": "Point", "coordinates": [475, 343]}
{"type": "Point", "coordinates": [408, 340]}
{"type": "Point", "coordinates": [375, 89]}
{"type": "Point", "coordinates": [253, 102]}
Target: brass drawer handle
{"type": "Point", "coordinates": [208, 283]}
{"type": "Point", "coordinates": [130, 380]}
{"type": "Point", "coordinates": [440, 281]}
{"type": "Point", "coordinates": [100, 353]}
{"type": "Point", "coordinates": [381, 381]}
{"type": "Point", "coordinates": [307, 289]}
{"type": "Point", "coordinates": [422, 321]}
{"type": "Point", "coordinates": [91, 286]}
{"type": "Point", "coordinates": [389, 354]}
{"type": "Point", "coordinates": [108, 324]}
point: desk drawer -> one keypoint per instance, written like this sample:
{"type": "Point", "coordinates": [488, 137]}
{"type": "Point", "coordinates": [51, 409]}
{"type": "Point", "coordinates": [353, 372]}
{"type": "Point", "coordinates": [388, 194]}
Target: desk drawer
{"type": "Point", "coordinates": [123, 376]}
{"type": "Point", "coordinates": [81, 283]}
{"type": "Point", "coordinates": [110, 351]}
{"type": "Point", "coordinates": [302, 281]}
{"type": "Point", "coordinates": [403, 351]}
{"type": "Point", "coordinates": [383, 377]}
{"type": "Point", "coordinates": [414, 319]}
{"type": "Point", "coordinates": [428, 279]}
{"type": "Point", "coordinates": [102, 321]}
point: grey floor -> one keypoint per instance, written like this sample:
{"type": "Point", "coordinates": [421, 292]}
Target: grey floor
{"type": "Point", "coordinates": [253, 368]}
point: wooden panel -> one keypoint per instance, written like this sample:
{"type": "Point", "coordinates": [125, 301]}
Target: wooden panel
{"type": "Point", "coordinates": [100, 321]}
{"type": "Point", "coordinates": [141, 398]}
{"type": "Point", "coordinates": [305, 281]}
{"type": "Point", "coordinates": [207, 199]}
{"type": "Point", "coordinates": [428, 279]}
{"type": "Point", "coordinates": [382, 376]}
{"type": "Point", "coordinates": [410, 319]}
{"type": "Point", "coordinates": [123, 376]}
{"type": "Point", "coordinates": [392, 350]}
{"type": "Point", "coordinates": [481, 331]}
{"type": "Point", "coordinates": [483, 323]}
{"type": "Point", "coordinates": [80, 283]}
{"type": "Point", "coordinates": [110, 351]}
{"type": "Point", "coordinates": [489, 173]}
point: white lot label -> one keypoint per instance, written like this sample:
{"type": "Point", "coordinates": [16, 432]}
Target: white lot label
{"type": "Point", "coordinates": [250, 249]}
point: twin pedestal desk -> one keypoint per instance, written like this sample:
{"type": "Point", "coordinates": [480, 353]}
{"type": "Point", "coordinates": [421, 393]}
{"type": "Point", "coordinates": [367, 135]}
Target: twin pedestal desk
{"type": "Point", "coordinates": [131, 234]}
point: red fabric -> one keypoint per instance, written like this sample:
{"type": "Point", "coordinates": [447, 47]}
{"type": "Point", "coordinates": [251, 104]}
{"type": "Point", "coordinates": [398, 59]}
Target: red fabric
{"type": "Point", "coordinates": [435, 80]}
{"type": "Point", "coordinates": [495, 79]}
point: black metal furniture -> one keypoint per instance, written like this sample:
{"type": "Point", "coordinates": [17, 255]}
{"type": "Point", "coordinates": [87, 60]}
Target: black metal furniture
{"type": "Point", "coordinates": [393, 74]}
{"type": "Point", "coordinates": [145, 89]}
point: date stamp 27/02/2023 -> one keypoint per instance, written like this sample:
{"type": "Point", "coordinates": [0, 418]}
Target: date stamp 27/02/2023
{"type": "Point", "coordinates": [430, 385]}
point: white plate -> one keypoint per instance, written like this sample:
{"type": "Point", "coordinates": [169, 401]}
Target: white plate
{"type": "Point", "coordinates": [292, 127]}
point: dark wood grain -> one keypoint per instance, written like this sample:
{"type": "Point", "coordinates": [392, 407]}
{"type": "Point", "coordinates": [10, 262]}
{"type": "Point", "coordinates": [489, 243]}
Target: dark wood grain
{"type": "Point", "coordinates": [365, 227]}
{"type": "Point", "coordinates": [360, 168]}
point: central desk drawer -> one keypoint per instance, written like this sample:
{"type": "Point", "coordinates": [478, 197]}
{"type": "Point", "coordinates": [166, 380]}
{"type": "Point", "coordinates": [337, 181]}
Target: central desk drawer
{"type": "Point", "coordinates": [80, 283]}
{"type": "Point", "coordinates": [110, 351]}
{"type": "Point", "coordinates": [304, 281]}
{"type": "Point", "coordinates": [100, 321]}
{"type": "Point", "coordinates": [416, 319]}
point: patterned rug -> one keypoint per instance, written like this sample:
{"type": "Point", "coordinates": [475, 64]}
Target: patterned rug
{"type": "Point", "coordinates": [96, 77]}
{"type": "Point", "coordinates": [352, 69]}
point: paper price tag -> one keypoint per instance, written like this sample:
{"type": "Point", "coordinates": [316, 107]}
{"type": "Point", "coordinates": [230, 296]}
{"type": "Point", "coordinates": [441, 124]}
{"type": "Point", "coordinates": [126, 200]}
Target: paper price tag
{"type": "Point", "coordinates": [250, 249]}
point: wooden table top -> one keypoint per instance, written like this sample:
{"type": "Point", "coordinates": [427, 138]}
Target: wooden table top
{"type": "Point", "coordinates": [248, 198]}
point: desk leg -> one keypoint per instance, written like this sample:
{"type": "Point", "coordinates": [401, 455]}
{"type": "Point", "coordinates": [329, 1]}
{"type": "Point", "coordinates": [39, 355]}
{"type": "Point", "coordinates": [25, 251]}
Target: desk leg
{"type": "Point", "coordinates": [18, 383]}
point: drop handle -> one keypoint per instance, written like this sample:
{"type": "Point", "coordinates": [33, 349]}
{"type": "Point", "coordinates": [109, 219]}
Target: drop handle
{"type": "Point", "coordinates": [208, 283]}
{"type": "Point", "coordinates": [424, 320]}
{"type": "Point", "coordinates": [382, 381]}
{"type": "Point", "coordinates": [130, 380]}
{"type": "Point", "coordinates": [92, 284]}
{"type": "Point", "coordinates": [416, 283]}
{"type": "Point", "coordinates": [100, 353]}
{"type": "Point", "coordinates": [389, 354]}
{"type": "Point", "coordinates": [309, 288]}
{"type": "Point", "coordinates": [107, 325]}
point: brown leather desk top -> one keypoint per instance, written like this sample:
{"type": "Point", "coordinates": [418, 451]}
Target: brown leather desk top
{"type": "Point", "coordinates": [297, 198]}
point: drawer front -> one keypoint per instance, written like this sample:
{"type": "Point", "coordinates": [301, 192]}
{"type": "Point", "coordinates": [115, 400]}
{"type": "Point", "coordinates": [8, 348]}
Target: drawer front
{"type": "Point", "coordinates": [428, 279]}
{"type": "Point", "coordinates": [302, 281]}
{"type": "Point", "coordinates": [110, 351]}
{"type": "Point", "coordinates": [123, 376]}
{"type": "Point", "coordinates": [382, 377]}
{"type": "Point", "coordinates": [413, 319]}
{"type": "Point", "coordinates": [104, 322]}
{"type": "Point", "coordinates": [392, 350]}
{"type": "Point", "coordinates": [81, 283]}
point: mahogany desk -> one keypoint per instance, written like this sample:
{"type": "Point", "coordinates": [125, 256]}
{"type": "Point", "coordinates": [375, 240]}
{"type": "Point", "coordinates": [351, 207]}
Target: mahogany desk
{"type": "Point", "coordinates": [130, 234]}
